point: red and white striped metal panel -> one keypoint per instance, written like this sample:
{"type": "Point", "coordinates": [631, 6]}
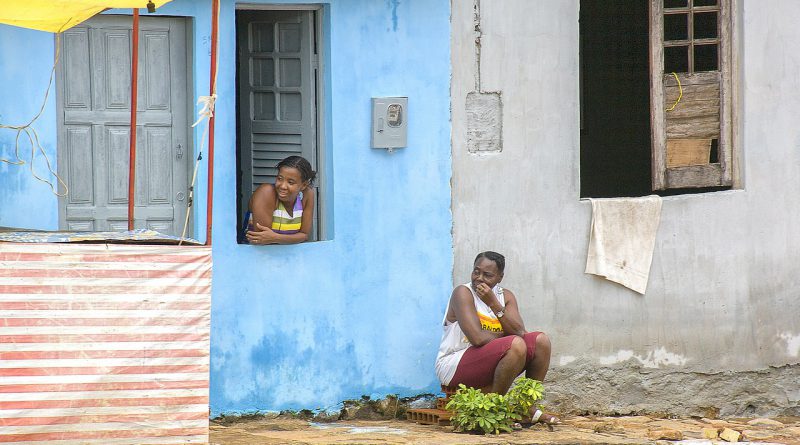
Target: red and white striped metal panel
{"type": "Point", "coordinates": [104, 343]}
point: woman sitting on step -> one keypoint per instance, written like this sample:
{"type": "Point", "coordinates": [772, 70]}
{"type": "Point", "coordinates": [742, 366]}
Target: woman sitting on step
{"type": "Point", "coordinates": [485, 344]}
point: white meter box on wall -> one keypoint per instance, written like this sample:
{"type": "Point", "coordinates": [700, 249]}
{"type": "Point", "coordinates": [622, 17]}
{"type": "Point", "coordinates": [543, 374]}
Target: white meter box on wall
{"type": "Point", "coordinates": [389, 122]}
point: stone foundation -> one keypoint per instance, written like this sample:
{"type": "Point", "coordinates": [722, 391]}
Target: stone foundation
{"type": "Point", "coordinates": [626, 389]}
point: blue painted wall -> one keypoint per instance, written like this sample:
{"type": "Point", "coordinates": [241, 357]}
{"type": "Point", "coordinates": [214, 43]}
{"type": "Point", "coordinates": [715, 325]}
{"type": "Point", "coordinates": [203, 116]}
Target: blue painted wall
{"type": "Point", "coordinates": [26, 60]}
{"type": "Point", "coordinates": [307, 326]}
{"type": "Point", "coordinates": [310, 325]}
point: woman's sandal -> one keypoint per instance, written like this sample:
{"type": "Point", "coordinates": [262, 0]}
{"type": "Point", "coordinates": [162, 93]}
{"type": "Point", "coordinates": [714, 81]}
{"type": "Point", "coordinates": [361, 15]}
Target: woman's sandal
{"type": "Point", "coordinates": [540, 416]}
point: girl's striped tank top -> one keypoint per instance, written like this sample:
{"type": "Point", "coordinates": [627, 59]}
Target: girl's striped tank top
{"type": "Point", "coordinates": [282, 222]}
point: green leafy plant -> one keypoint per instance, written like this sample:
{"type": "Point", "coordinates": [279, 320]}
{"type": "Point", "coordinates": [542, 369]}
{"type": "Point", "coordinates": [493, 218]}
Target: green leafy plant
{"type": "Point", "coordinates": [474, 411]}
{"type": "Point", "coordinates": [524, 394]}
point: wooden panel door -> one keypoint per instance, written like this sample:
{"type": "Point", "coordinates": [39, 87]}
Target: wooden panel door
{"type": "Point", "coordinates": [94, 121]}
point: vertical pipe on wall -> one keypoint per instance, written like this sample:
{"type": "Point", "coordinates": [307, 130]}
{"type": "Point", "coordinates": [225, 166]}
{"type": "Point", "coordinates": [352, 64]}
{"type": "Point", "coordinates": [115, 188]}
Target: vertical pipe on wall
{"type": "Point", "coordinates": [134, 92]}
{"type": "Point", "coordinates": [213, 92]}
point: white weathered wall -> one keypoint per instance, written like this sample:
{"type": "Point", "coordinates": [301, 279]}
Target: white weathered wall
{"type": "Point", "coordinates": [721, 315]}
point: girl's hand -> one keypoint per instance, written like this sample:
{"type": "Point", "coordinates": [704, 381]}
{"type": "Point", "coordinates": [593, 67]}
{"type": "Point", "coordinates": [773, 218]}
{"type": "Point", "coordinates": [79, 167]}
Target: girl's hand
{"type": "Point", "coordinates": [264, 235]}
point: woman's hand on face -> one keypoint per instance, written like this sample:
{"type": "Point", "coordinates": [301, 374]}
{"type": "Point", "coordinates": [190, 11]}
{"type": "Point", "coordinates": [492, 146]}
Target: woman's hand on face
{"type": "Point", "coordinates": [485, 293]}
{"type": "Point", "coordinates": [264, 235]}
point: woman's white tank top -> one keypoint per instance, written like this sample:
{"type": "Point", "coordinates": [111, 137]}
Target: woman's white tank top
{"type": "Point", "coordinates": [454, 342]}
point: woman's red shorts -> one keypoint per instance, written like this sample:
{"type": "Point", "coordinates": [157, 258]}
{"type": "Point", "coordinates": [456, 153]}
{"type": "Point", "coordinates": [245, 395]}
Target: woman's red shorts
{"type": "Point", "coordinates": [477, 365]}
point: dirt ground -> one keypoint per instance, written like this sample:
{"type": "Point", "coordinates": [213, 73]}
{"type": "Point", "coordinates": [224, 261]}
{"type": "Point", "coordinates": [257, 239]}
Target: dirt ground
{"type": "Point", "coordinates": [574, 430]}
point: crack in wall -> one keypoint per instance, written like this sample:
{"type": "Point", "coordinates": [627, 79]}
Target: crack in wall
{"type": "Point", "coordinates": [484, 109]}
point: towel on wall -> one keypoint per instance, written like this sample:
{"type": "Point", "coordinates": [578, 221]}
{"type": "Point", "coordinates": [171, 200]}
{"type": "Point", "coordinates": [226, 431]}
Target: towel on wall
{"type": "Point", "coordinates": [622, 239]}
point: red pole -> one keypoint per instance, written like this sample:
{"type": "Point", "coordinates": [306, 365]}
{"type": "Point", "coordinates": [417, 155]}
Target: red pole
{"type": "Point", "coordinates": [134, 90]}
{"type": "Point", "coordinates": [213, 88]}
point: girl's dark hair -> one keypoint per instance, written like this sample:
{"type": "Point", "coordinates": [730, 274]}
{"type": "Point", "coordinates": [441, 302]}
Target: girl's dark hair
{"type": "Point", "coordinates": [302, 165]}
{"type": "Point", "coordinates": [499, 260]}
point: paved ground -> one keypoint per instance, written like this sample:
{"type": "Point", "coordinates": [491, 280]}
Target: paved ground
{"type": "Point", "coordinates": [575, 430]}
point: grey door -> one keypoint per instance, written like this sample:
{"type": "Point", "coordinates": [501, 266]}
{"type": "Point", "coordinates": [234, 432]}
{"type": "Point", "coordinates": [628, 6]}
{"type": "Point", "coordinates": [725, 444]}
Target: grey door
{"type": "Point", "coordinates": [94, 117]}
{"type": "Point", "coordinates": [277, 64]}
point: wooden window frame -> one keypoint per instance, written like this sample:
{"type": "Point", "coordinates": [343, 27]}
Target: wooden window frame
{"type": "Point", "coordinates": [717, 174]}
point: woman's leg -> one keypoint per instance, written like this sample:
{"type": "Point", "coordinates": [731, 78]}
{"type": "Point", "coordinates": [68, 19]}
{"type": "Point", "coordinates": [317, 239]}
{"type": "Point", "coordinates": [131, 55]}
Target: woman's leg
{"type": "Point", "coordinates": [538, 357]}
{"type": "Point", "coordinates": [510, 366]}
{"type": "Point", "coordinates": [493, 366]}
{"type": "Point", "coordinates": [536, 365]}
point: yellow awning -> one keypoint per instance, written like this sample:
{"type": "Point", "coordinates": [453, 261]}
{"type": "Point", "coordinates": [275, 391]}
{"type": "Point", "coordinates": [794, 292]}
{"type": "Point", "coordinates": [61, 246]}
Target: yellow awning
{"type": "Point", "coordinates": [60, 15]}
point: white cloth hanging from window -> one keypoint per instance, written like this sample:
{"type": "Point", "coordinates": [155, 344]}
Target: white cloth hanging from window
{"type": "Point", "coordinates": [622, 238]}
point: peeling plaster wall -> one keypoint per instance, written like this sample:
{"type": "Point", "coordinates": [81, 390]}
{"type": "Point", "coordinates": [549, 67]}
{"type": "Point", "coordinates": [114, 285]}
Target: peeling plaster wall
{"type": "Point", "coordinates": [723, 299]}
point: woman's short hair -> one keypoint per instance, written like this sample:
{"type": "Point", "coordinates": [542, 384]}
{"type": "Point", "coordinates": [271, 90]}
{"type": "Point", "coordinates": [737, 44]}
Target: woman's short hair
{"type": "Point", "coordinates": [302, 165]}
{"type": "Point", "coordinates": [499, 260]}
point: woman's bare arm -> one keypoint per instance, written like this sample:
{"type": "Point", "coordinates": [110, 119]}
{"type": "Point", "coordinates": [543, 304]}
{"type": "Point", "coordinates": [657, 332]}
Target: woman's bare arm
{"type": "Point", "coordinates": [263, 204]}
{"type": "Point", "coordinates": [511, 320]}
{"type": "Point", "coordinates": [263, 234]}
{"type": "Point", "coordinates": [464, 309]}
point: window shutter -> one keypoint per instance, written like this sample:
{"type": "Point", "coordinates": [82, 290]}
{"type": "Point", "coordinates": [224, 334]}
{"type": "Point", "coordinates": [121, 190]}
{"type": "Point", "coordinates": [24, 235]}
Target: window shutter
{"type": "Point", "coordinates": [690, 94]}
{"type": "Point", "coordinates": [277, 102]}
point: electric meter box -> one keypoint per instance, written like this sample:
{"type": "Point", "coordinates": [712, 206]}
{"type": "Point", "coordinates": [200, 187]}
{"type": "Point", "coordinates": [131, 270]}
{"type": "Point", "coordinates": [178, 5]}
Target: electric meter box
{"type": "Point", "coordinates": [389, 122]}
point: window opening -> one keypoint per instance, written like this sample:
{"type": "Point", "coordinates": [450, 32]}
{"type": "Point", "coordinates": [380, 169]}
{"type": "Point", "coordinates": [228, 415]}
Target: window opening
{"type": "Point", "coordinates": [277, 99]}
{"type": "Point", "coordinates": [655, 97]}
{"type": "Point", "coordinates": [615, 139]}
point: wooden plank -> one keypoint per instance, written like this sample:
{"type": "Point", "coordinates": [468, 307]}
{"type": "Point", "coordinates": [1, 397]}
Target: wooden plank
{"type": "Point", "coordinates": [730, 96]}
{"type": "Point", "coordinates": [690, 108]}
{"type": "Point", "coordinates": [692, 80]}
{"type": "Point", "coordinates": [683, 152]}
{"type": "Point", "coordinates": [726, 108]}
{"type": "Point", "coordinates": [657, 118]}
{"type": "Point", "coordinates": [694, 176]}
{"type": "Point", "coordinates": [697, 99]}
{"type": "Point", "coordinates": [696, 127]}
{"type": "Point", "coordinates": [700, 92]}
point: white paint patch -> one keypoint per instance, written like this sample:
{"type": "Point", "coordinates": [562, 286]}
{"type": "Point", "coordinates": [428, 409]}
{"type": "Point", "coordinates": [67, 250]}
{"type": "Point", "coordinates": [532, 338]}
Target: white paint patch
{"type": "Point", "coordinates": [566, 360]}
{"type": "Point", "coordinates": [792, 343]}
{"type": "Point", "coordinates": [661, 356]}
{"type": "Point", "coordinates": [621, 356]}
{"type": "Point", "coordinates": [654, 359]}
